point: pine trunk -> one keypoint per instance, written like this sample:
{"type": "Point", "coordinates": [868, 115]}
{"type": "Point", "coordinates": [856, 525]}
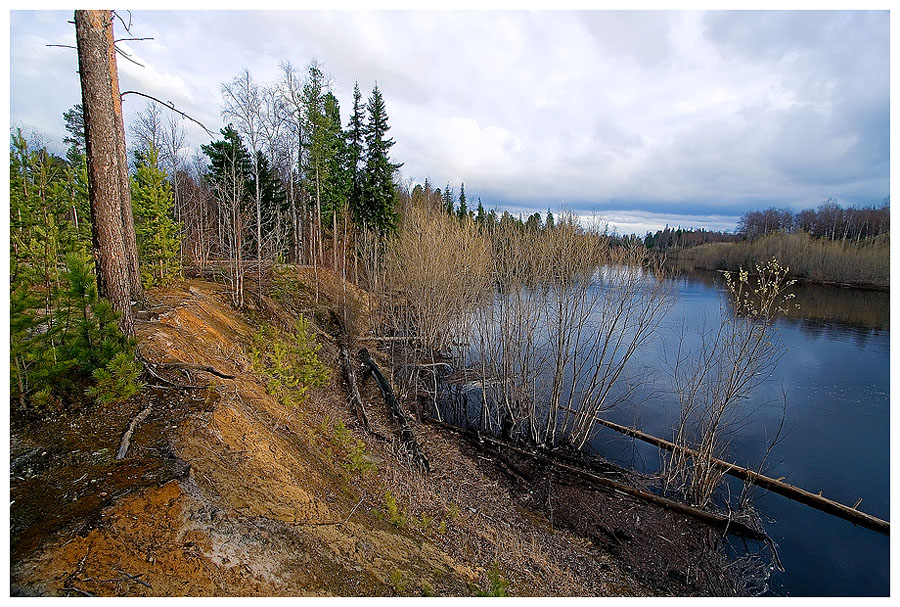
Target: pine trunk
{"type": "Point", "coordinates": [128, 233]}
{"type": "Point", "coordinates": [104, 178]}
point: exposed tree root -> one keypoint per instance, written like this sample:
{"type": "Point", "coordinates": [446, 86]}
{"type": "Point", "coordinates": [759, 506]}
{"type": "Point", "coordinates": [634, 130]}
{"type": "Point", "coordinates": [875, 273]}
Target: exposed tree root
{"type": "Point", "coordinates": [406, 434]}
{"type": "Point", "coordinates": [126, 438]}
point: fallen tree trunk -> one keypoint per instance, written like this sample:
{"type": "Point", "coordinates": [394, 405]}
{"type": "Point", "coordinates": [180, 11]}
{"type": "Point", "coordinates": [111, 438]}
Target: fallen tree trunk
{"type": "Point", "coordinates": [775, 485]}
{"type": "Point", "coordinates": [356, 402]}
{"type": "Point", "coordinates": [406, 434]}
{"type": "Point", "coordinates": [725, 524]}
{"type": "Point", "coordinates": [196, 367]}
{"type": "Point", "coordinates": [150, 368]}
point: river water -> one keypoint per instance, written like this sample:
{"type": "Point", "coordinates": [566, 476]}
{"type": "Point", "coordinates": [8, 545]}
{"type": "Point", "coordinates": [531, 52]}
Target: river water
{"type": "Point", "coordinates": [831, 387]}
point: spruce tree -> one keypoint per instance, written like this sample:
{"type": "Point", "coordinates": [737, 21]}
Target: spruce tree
{"type": "Point", "coordinates": [479, 217]}
{"type": "Point", "coordinates": [463, 210]}
{"type": "Point", "coordinates": [377, 211]}
{"type": "Point", "coordinates": [447, 197]}
{"type": "Point", "coordinates": [338, 180]}
{"type": "Point", "coordinates": [354, 137]}
{"type": "Point", "coordinates": [229, 160]}
{"type": "Point", "coordinates": [273, 198]}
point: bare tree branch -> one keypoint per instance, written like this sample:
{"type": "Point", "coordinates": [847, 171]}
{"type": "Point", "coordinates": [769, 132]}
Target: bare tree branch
{"type": "Point", "coordinates": [132, 39]}
{"type": "Point", "coordinates": [172, 107]}
{"type": "Point", "coordinates": [63, 46]}
{"type": "Point", "coordinates": [127, 26]}
{"type": "Point", "coordinates": [127, 56]}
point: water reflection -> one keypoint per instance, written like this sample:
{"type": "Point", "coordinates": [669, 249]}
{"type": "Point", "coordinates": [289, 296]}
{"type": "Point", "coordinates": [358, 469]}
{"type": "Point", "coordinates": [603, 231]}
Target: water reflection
{"type": "Point", "coordinates": [832, 386]}
{"type": "Point", "coordinates": [822, 307]}
{"type": "Point", "coordinates": [836, 378]}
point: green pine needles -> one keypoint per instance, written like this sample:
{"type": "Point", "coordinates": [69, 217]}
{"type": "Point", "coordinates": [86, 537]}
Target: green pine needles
{"type": "Point", "coordinates": [64, 338]}
{"type": "Point", "coordinates": [158, 235]}
{"type": "Point", "coordinates": [55, 359]}
{"type": "Point", "coordinates": [288, 361]}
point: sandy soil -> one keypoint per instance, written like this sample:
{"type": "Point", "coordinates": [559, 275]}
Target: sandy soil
{"type": "Point", "coordinates": [226, 491]}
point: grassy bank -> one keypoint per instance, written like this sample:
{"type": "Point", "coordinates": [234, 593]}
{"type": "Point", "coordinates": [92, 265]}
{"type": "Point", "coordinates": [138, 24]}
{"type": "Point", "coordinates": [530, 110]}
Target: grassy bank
{"type": "Point", "coordinates": [809, 259]}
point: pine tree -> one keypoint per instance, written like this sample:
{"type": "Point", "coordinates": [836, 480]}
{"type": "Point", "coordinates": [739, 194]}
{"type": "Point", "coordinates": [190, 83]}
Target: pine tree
{"type": "Point", "coordinates": [77, 177]}
{"type": "Point", "coordinates": [75, 126]}
{"type": "Point", "coordinates": [378, 210]}
{"type": "Point", "coordinates": [157, 233]}
{"type": "Point", "coordinates": [114, 244]}
{"type": "Point", "coordinates": [61, 331]}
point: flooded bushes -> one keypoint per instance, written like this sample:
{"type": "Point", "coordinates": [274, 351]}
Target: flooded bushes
{"type": "Point", "coordinates": [557, 340]}
{"type": "Point", "coordinates": [712, 379]}
{"type": "Point", "coordinates": [546, 320]}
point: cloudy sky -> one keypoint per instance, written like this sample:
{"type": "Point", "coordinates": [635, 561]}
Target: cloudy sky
{"type": "Point", "coordinates": [640, 118]}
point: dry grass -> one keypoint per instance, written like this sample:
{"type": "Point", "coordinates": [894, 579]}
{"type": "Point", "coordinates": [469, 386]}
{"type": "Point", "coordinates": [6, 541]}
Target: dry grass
{"type": "Point", "coordinates": [818, 260]}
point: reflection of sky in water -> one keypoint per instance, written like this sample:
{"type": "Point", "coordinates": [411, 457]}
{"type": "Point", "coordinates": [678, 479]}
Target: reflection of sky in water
{"type": "Point", "coordinates": [837, 379]}
{"type": "Point", "coordinates": [831, 387]}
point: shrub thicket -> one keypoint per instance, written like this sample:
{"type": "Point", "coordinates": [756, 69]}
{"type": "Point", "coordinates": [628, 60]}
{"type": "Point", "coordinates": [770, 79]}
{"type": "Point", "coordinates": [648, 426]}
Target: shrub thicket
{"type": "Point", "coordinates": [809, 258]}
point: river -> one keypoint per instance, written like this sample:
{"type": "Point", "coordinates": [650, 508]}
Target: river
{"type": "Point", "coordinates": [832, 388]}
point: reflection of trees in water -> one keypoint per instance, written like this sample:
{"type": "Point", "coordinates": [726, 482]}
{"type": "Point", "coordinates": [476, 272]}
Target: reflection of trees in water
{"type": "Point", "coordinates": [820, 328]}
{"type": "Point", "coordinates": [852, 308]}
{"type": "Point", "coordinates": [823, 306]}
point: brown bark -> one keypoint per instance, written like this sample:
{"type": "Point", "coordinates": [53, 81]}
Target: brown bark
{"type": "Point", "coordinates": [128, 234]}
{"type": "Point", "coordinates": [104, 178]}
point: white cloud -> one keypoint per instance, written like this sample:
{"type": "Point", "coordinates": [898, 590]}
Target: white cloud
{"type": "Point", "coordinates": [664, 109]}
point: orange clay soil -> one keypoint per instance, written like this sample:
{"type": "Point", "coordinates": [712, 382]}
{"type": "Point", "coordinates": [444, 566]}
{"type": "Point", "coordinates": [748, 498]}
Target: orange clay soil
{"type": "Point", "coordinates": [227, 491]}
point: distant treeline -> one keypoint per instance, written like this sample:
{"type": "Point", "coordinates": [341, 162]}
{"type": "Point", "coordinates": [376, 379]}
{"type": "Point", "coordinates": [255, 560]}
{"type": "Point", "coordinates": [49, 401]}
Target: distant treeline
{"type": "Point", "coordinates": [813, 259]}
{"type": "Point", "coordinates": [435, 200]}
{"type": "Point", "coordinates": [830, 221]}
{"type": "Point", "coordinates": [829, 244]}
{"type": "Point", "coordinates": [680, 238]}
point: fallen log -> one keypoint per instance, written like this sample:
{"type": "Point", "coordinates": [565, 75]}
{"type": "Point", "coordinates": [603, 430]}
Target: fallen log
{"type": "Point", "coordinates": [776, 486]}
{"type": "Point", "coordinates": [356, 402]}
{"type": "Point", "coordinates": [725, 524]}
{"type": "Point", "coordinates": [406, 434]}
